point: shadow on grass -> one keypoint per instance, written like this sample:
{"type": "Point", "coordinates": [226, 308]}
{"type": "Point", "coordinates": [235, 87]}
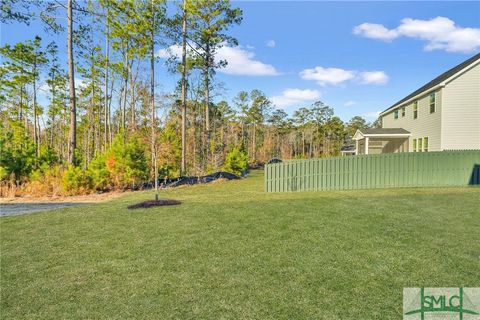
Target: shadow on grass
{"type": "Point", "coordinates": [154, 203]}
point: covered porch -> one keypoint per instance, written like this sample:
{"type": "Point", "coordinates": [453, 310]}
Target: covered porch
{"type": "Point", "coordinates": [381, 140]}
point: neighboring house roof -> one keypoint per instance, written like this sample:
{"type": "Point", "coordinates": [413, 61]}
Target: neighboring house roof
{"type": "Point", "coordinates": [350, 148]}
{"type": "Point", "coordinates": [373, 131]}
{"type": "Point", "coordinates": [438, 80]}
{"type": "Point", "coordinates": [380, 132]}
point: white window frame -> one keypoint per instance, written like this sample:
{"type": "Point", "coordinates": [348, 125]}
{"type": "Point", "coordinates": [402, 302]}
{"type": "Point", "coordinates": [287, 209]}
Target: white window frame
{"type": "Point", "coordinates": [434, 95]}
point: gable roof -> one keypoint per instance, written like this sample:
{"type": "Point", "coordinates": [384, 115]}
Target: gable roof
{"type": "Point", "coordinates": [380, 132]}
{"type": "Point", "coordinates": [383, 131]}
{"type": "Point", "coordinates": [441, 78]}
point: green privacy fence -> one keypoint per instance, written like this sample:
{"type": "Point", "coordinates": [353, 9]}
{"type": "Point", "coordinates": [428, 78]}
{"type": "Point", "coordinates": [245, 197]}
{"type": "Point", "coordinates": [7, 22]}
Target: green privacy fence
{"type": "Point", "coordinates": [445, 168]}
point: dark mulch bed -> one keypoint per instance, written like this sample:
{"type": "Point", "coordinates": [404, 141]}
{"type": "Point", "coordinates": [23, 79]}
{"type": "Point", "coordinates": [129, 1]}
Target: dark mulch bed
{"type": "Point", "coordinates": [153, 203]}
{"type": "Point", "coordinates": [202, 179]}
{"type": "Point", "coordinates": [191, 180]}
{"type": "Point", "coordinates": [274, 160]}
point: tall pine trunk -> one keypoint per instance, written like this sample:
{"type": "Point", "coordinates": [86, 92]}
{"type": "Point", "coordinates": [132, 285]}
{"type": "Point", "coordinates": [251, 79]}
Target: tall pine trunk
{"type": "Point", "coordinates": [133, 99]}
{"type": "Point", "coordinates": [72, 142]}
{"type": "Point", "coordinates": [20, 107]}
{"type": "Point", "coordinates": [109, 111]}
{"type": "Point", "coordinates": [52, 125]}
{"type": "Point", "coordinates": [183, 167]}
{"type": "Point", "coordinates": [91, 141]}
{"type": "Point", "coordinates": [207, 104]}
{"type": "Point", "coordinates": [35, 113]}
{"type": "Point", "coordinates": [152, 101]}
{"type": "Point", "coordinates": [207, 101]}
{"type": "Point", "coordinates": [125, 89]}
{"type": "Point", "coordinates": [254, 143]}
{"type": "Point", "coordinates": [106, 106]}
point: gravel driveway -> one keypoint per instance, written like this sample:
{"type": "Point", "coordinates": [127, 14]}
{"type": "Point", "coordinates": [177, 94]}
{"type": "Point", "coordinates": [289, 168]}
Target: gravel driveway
{"type": "Point", "coordinates": [15, 209]}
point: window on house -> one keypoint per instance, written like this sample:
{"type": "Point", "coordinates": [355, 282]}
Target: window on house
{"type": "Point", "coordinates": [425, 144]}
{"type": "Point", "coordinates": [403, 112]}
{"type": "Point", "coordinates": [419, 144]}
{"type": "Point", "coordinates": [415, 110]}
{"type": "Point", "coordinates": [395, 114]}
{"type": "Point", "coordinates": [414, 145]}
{"type": "Point", "coordinates": [432, 102]}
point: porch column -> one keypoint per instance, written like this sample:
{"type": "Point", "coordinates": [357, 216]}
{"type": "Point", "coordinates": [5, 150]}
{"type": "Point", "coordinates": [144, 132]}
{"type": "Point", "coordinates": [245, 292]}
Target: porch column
{"type": "Point", "coordinates": [356, 147]}
{"type": "Point", "coordinates": [366, 145]}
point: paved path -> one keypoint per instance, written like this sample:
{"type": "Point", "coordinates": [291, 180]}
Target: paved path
{"type": "Point", "coordinates": [15, 209]}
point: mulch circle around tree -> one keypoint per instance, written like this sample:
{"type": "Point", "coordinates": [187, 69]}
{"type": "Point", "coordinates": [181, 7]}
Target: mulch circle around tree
{"type": "Point", "coordinates": [153, 203]}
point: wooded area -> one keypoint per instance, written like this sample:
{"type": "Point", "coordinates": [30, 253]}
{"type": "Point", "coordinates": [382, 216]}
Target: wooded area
{"type": "Point", "coordinates": [113, 129]}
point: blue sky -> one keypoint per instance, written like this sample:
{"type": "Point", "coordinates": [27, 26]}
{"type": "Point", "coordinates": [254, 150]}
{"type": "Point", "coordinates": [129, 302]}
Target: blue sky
{"type": "Point", "coordinates": [358, 57]}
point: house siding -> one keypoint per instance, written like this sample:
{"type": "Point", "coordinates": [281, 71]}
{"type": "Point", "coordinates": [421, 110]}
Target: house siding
{"type": "Point", "coordinates": [461, 111]}
{"type": "Point", "coordinates": [426, 125]}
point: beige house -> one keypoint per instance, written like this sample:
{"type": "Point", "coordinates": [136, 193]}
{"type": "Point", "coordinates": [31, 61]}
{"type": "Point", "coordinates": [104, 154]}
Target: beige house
{"type": "Point", "coordinates": [444, 114]}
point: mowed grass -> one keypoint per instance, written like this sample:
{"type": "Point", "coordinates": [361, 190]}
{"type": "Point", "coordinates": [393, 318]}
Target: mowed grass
{"type": "Point", "coordinates": [232, 251]}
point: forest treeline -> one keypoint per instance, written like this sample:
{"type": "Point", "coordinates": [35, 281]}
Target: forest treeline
{"type": "Point", "coordinates": [106, 125]}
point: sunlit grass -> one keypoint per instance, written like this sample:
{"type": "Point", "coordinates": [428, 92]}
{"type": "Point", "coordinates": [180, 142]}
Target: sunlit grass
{"type": "Point", "coordinates": [231, 251]}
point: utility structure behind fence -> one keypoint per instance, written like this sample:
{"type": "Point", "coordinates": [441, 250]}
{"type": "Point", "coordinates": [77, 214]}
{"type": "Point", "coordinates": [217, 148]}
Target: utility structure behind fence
{"type": "Point", "coordinates": [419, 169]}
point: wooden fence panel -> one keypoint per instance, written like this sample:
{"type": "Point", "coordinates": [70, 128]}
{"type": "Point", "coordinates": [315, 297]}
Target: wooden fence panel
{"type": "Point", "coordinates": [421, 169]}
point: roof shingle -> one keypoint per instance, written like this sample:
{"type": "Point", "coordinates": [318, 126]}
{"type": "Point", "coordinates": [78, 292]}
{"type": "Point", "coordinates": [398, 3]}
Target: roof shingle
{"type": "Point", "coordinates": [444, 76]}
{"type": "Point", "coordinates": [384, 131]}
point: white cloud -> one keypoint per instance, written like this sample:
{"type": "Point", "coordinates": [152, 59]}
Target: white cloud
{"type": "Point", "coordinates": [335, 76]}
{"type": "Point", "coordinates": [440, 33]}
{"type": "Point", "coordinates": [373, 77]}
{"type": "Point", "coordinates": [271, 43]}
{"type": "Point", "coordinates": [372, 115]}
{"type": "Point", "coordinates": [240, 61]}
{"type": "Point", "coordinates": [175, 51]}
{"type": "Point", "coordinates": [80, 84]}
{"type": "Point", "coordinates": [325, 76]}
{"type": "Point", "coordinates": [291, 97]}
{"type": "Point", "coordinates": [43, 87]}
{"type": "Point", "coordinates": [43, 94]}
{"type": "Point", "coordinates": [349, 103]}
{"type": "Point", "coordinates": [375, 31]}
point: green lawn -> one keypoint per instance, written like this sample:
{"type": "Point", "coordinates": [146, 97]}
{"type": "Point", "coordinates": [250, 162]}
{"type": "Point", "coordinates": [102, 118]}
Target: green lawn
{"type": "Point", "coordinates": [231, 251]}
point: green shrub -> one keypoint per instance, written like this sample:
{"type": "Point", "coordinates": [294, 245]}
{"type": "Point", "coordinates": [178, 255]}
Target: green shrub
{"type": "Point", "coordinates": [17, 151]}
{"type": "Point", "coordinates": [42, 171]}
{"type": "Point", "coordinates": [236, 161]}
{"type": "Point", "coordinates": [76, 180]}
{"type": "Point", "coordinates": [136, 163]}
{"type": "Point", "coordinates": [169, 152]}
{"type": "Point", "coordinates": [3, 173]}
{"type": "Point", "coordinates": [98, 173]}
{"type": "Point", "coordinates": [126, 162]}
{"type": "Point", "coordinates": [47, 158]}
{"type": "Point", "coordinates": [36, 175]}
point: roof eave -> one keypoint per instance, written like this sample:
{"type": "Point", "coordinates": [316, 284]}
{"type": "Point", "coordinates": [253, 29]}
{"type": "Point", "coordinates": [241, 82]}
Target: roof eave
{"type": "Point", "coordinates": [440, 85]}
{"type": "Point", "coordinates": [374, 135]}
